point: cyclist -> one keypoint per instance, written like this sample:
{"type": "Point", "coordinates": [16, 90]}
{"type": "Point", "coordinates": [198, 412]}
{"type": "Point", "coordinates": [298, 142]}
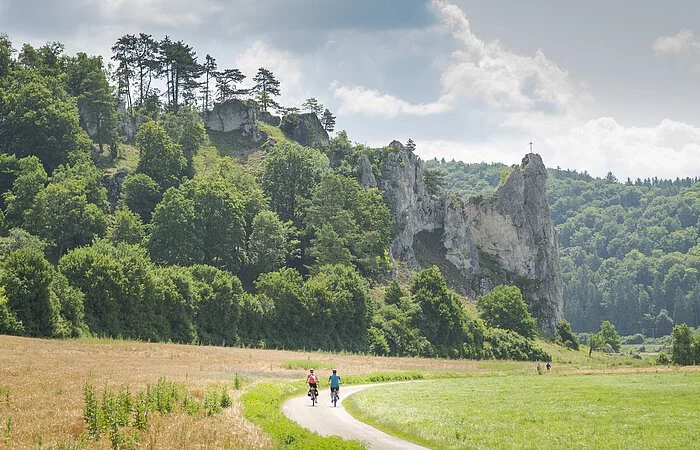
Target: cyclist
{"type": "Point", "coordinates": [334, 381]}
{"type": "Point", "coordinates": [312, 379]}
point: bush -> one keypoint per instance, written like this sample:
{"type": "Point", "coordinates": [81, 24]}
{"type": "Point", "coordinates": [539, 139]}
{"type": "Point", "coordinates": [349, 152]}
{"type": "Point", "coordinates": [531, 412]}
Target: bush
{"type": "Point", "coordinates": [507, 344]}
{"type": "Point", "coordinates": [663, 359]}
{"type": "Point", "coordinates": [565, 336]}
{"type": "Point", "coordinates": [634, 339]}
{"type": "Point", "coordinates": [504, 307]}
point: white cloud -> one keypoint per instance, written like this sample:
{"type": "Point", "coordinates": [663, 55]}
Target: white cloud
{"type": "Point", "coordinates": [500, 77]}
{"type": "Point", "coordinates": [285, 67]}
{"type": "Point", "coordinates": [487, 71]}
{"type": "Point", "coordinates": [360, 100]}
{"type": "Point", "coordinates": [682, 43]}
{"type": "Point", "coordinates": [668, 150]}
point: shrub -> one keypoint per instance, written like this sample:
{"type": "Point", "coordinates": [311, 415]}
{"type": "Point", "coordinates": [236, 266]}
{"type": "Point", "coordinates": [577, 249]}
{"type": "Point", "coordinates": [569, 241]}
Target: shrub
{"type": "Point", "coordinates": [504, 307]}
{"type": "Point", "coordinates": [663, 359]}
{"type": "Point", "coordinates": [634, 339]}
{"type": "Point", "coordinates": [507, 344]}
{"type": "Point", "coordinates": [565, 336]}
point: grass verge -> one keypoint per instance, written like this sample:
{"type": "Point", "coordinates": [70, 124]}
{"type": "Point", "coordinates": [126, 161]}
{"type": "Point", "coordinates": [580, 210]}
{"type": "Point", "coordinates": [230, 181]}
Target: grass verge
{"type": "Point", "coordinates": [262, 406]}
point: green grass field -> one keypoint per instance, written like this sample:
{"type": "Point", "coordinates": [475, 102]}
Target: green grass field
{"type": "Point", "coordinates": [623, 410]}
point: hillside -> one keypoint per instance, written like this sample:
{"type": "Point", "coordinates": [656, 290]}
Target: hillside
{"type": "Point", "coordinates": [629, 251]}
{"type": "Point", "coordinates": [132, 213]}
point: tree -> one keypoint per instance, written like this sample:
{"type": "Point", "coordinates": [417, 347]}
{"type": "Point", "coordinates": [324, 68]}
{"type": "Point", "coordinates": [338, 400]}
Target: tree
{"type": "Point", "coordinates": [30, 180]}
{"type": "Point", "coordinates": [410, 145]}
{"type": "Point", "coordinates": [186, 129]}
{"type": "Point", "coordinates": [271, 241]}
{"type": "Point", "coordinates": [9, 323]}
{"type": "Point", "coordinates": [664, 323]}
{"type": "Point", "coordinates": [126, 227]}
{"type": "Point", "coordinates": [114, 281]}
{"type": "Point", "coordinates": [313, 106]}
{"type": "Point", "coordinates": [610, 336]}
{"type": "Point", "coordinates": [341, 308]}
{"type": "Point", "coordinates": [70, 211]}
{"type": "Point", "coordinates": [288, 176]}
{"type": "Point", "coordinates": [26, 276]}
{"type": "Point", "coordinates": [39, 118]}
{"type": "Point", "coordinates": [328, 121]}
{"type": "Point", "coordinates": [595, 342]}
{"type": "Point", "coordinates": [218, 309]}
{"type": "Point", "coordinates": [359, 220]}
{"type": "Point", "coordinates": [141, 194]}
{"type": "Point", "coordinates": [291, 315]}
{"type": "Point", "coordinates": [179, 63]}
{"type": "Point", "coordinates": [6, 51]}
{"type": "Point", "coordinates": [226, 82]}
{"type": "Point", "coordinates": [87, 82]}
{"type": "Point", "coordinates": [266, 87]}
{"type": "Point", "coordinates": [682, 340]}
{"type": "Point", "coordinates": [504, 307]}
{"type": "Point", "coordinates": [565, 336]}
{"type": "Point", "coordinates": [329, 248]}
{"type": "Point", "coordinates": [159, 157]}
{"type": "Point", "coordinates": [209, 72]}
{"type": "Point", "coordinates": [441, 319]}
{"type": "Point", "coordinates": [200, 222]}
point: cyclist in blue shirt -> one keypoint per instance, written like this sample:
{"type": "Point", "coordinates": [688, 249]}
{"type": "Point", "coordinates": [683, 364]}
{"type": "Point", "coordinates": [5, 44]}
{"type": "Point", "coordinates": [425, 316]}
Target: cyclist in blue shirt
{"type": "Point", "coordinates": [334, 381]}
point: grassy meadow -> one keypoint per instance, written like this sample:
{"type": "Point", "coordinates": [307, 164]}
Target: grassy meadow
{"type": "Point", "coordinates": [642, 409]}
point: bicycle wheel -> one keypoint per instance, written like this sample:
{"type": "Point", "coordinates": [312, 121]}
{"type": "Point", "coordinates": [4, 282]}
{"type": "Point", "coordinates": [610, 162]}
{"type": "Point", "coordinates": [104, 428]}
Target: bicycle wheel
{"type": "Point", "coordinates": [335, 399]}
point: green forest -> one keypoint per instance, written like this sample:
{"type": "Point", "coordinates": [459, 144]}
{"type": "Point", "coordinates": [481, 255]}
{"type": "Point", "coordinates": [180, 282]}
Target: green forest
{"type": "Point", "coordinates": [629, 250]}
{"type": "Point", "coordinates": [121, 219]}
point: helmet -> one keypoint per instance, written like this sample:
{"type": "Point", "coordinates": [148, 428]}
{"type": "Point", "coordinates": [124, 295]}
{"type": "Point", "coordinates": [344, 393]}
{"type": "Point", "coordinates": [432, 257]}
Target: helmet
{"type": "Point", "coordinates": [334, 371]}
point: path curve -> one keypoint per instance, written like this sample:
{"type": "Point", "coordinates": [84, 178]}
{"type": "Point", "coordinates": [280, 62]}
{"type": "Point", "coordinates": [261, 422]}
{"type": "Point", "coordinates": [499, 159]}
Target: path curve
{"type": "Point", "coordinates": [327, 420]}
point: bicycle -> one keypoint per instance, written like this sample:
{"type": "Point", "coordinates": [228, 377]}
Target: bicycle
{"type": "Point", "coordinates": [334, 397]}
{"type": "Point", "coordinates": [314, 396]}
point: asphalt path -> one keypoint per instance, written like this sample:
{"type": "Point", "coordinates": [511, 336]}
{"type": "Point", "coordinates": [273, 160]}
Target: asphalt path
{"type": "Point", "coordinates": [327, 420]}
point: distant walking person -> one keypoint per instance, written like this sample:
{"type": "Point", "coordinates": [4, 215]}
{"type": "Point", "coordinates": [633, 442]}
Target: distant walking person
{"type": "Point", "coordinates": [334, 380]}
{"type": "Point", "coordinates": [549, 366]}
{"type": "Point", "coordinates": [312, 379]}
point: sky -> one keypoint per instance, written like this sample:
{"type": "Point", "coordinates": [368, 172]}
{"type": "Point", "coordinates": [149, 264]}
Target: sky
{"type": "Point", "coordinates": [596, 86]}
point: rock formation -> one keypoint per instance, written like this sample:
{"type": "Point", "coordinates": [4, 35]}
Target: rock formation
{"type": "Point", "coordinates": [506, 239]}
{"type": "Point", "coordinates": [234, 116]}
{"type": "Point", "coordinates": [306, 129]}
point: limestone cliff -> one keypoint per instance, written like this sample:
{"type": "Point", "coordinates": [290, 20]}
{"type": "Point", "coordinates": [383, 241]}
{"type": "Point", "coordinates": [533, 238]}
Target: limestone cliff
{"type": "Point", "coordinates": [234, 116]}
{"type": "Point", "coordinates": [508, 238]}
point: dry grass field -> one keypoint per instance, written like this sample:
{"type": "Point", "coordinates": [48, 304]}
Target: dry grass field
{"type": "Point", "coordinates": [44, 380]}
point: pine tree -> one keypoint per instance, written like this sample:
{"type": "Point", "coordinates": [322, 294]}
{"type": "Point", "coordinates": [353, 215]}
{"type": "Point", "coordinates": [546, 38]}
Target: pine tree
{"type": "Point", "coordinates": [209, 73]}
{"type": "Point", "coordinates": [328, 121]}
{"type": "Point", "coordinates": [226, 82]}
{"type": "Point", "coordinates": [410, 145]}
{"type": "Point", "coordinates": [312, 105]}
{"type": "Point", "coordinates": [266, 86]}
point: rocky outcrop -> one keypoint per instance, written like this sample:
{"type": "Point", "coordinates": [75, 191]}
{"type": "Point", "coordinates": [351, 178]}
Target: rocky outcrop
{"type": "Point", "coordinates": [269, 118]}
{"type": "Point", "coordinates": [113, 181]}
{"type": "Point", "coordinates": [234, 116]}
{"type": "Point", "coordinates": [365, 174]}
{"type": "Point", "coordinates": [506, 239]}
{"type": "Point", "coordinates": [306, 129]}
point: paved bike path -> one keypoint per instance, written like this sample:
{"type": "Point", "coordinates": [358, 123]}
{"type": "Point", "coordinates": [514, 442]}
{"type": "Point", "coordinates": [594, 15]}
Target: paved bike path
{"type": "Point", "coordinates": [327, 420]}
